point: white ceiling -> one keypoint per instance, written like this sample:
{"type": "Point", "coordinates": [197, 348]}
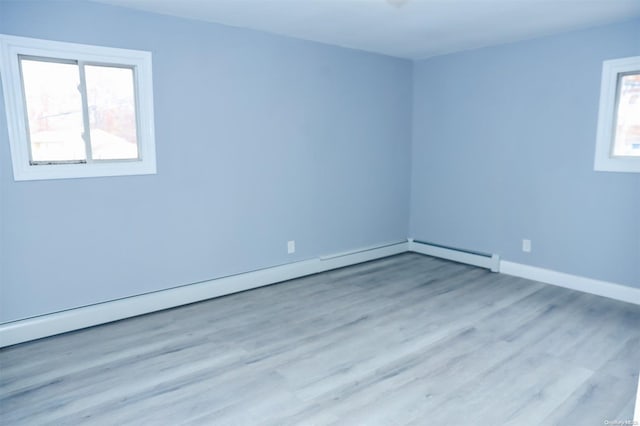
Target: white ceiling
{"type": "Point", "coordinates": [405, 28]}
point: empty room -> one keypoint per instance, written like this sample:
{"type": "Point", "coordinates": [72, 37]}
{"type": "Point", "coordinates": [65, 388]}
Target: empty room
{"type": "Point", "coordinates": [320, 212]}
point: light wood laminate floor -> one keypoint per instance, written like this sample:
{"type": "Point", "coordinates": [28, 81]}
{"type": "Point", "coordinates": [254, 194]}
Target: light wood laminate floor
{"type": "Point", "coordinates": [408, 339]}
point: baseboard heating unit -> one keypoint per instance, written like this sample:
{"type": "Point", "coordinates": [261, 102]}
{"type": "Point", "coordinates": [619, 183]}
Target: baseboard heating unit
{"type": "Point", "coordinates": [483, 260]}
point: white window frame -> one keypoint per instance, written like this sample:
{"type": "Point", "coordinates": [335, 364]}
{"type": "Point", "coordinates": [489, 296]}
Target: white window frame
{"type": "Point", "coordinates": [12, 47]}
{"type": "Point", "coordinates": [604, 161]}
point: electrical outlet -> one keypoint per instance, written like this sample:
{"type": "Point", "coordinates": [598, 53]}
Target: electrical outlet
{"type": "Point", "coordinates": [526, 246]}
{"type": "Point", "coordinates": [291, 247]}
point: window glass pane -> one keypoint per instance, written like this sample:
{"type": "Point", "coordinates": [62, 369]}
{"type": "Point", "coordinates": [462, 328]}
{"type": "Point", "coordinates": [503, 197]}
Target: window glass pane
{"type": "Point", "coordinates": [627, 124]}
{"type": "Point", "coordinates": [54, 110]}
{"type": "Point", "coordinates": [112, 112]}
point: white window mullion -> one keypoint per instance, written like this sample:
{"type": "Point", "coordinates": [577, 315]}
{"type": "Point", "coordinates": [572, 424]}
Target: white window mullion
{"type": "Point", "coordinates": [86, 135]}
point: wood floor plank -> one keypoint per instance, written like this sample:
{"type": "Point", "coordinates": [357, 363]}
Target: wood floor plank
{"type": "Point", "coordinates": [602, 397]}
{"type": "Point", "coordinates": [408, 339]}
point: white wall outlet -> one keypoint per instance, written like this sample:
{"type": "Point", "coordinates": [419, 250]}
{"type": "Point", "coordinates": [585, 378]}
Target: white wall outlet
{"type": "Point", "coordinates": [291, 247]}
{"type": "Point", "coordinates": [526, 246]}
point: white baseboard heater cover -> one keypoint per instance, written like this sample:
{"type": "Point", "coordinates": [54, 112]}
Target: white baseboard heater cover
{"type": "Point", "coordinates": [51, 324]}
{"type": "Point", "coordinates": [483, 260]}
{"type": "Point", "coordinates": [24, 330]}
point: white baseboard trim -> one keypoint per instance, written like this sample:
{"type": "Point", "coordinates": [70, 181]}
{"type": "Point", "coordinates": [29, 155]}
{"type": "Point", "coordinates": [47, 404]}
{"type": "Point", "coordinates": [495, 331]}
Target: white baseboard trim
{"type": "Point", "coordinates": [573, 282]}
{"type": "Point", "coordinates": [489, 262]}
{"type": "Point", "coordinates": [74, 319]}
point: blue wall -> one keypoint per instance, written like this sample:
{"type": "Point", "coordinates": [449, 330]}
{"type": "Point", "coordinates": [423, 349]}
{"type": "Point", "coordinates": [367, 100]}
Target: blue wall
{"type": "Point", "coordinates": [503, 149]}
{"type": "Point", "coordinates": [260, 139]}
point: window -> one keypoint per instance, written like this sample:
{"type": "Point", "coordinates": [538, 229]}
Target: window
{"type": "Point", "coordinates": [618, 138]}
{"type": "Point", "coordinates": [76, 110]}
